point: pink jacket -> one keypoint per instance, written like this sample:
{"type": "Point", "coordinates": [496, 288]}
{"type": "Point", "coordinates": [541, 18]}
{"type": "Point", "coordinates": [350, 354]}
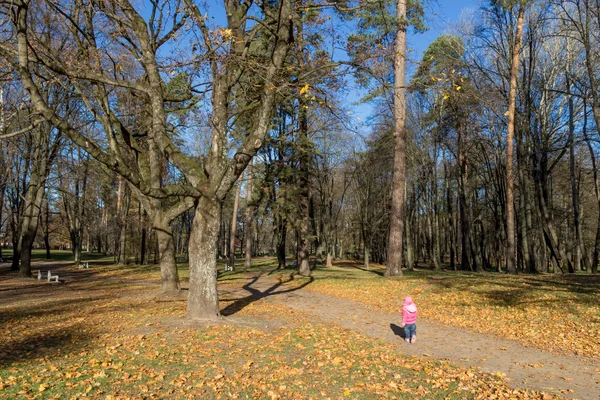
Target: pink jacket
{"type": "Point", "coordinates": [409, 312]}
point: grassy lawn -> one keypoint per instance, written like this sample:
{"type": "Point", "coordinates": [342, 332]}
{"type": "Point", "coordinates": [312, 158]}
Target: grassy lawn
{"type": "Point", "coordinates": [60, 255]}
{"type": "Point", "coordinates": [109, 337]}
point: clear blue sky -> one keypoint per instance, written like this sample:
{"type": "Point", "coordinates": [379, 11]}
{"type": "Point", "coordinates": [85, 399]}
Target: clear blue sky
{"type": "Point", "coordinates": [440, 16]}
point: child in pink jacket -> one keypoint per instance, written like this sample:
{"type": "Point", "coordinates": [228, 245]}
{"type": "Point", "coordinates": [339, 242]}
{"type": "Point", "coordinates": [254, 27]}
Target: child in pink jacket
{"type": "Point", "coordinates": [409, 320]}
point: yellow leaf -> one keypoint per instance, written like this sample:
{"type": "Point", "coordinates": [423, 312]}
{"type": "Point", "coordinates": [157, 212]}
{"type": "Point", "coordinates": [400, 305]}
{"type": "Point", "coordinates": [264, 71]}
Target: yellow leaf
{"type": "Point", "coordinates": [43, 387]}
{"type": "Point", "coordinates": [506, 114]}
{"type": "Point", "coordinates": [446, 96]}
{"type": "Point", "coordinates": [304, 89]}
{"type": "Point", "coordinates": [458, 88]}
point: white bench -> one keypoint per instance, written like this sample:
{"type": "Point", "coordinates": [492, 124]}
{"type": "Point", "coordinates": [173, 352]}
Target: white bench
{"type": "Point", "coordinates": [228, 267]}
{"type": "Point", "coordinates": [49, 276]}
{"type": "Point", "coordinates": [85, 264]}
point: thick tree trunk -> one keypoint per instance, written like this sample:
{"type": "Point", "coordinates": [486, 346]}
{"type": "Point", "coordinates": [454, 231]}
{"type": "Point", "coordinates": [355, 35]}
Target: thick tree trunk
{"type": "Point", "coordinates": [77, 244]}
{"type": "Point", "coordinates": [512, 102]}
{"type": "Point", "coordinates": [203, 300]}
{"type": "Point", "coordinates": [169, 276]}
{"type": "Point", "coordinates": [396, 232]}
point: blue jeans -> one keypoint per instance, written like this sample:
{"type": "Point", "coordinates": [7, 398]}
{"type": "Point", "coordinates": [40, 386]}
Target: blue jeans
{"type": "Point", "coordinates": [410, 330]}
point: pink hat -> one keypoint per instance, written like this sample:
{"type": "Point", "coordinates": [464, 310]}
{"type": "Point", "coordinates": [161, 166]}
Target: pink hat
{"type": "Point", "coordinates": [409, 305]}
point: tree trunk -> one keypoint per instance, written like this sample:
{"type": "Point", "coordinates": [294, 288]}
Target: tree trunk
{"type": "Point", "coordinates": [281, 242]}
{"type": "Point", "coordinates": [169, 276]}
{"type": "Point", "coordinates": [465, 226]}
{"type": "Point", "coordinates": [410, 250]}
{"type": "Point", "coordinates": [30, 224]}
{"type": "Point", "coordinates": [329, 259]}
{"type": "Point", "coordinates": [123, 199]}
{"type": "Point", "coordinates": [203, 299]}
{"type": "Point", "coordinates": [232, 237]}
{"type": "Point", "coordinates": [143, 239]}
{"type": "Point", "coordinates": [249, 217]}
{"type": "Point", "coordinates": [512, 102]}
{"type": "Point", "coordinates": [305, 155]}
{"type": "Point", "coordinates": [452, 229]}
{"type": "Point", "coordinates": [579, 248]}
{"type": "Point", "coordinates": [396, 232]}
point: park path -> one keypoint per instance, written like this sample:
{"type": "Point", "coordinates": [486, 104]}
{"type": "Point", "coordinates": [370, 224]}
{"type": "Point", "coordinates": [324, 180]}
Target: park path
{"type": "Point", "coordinates": [570, 376]}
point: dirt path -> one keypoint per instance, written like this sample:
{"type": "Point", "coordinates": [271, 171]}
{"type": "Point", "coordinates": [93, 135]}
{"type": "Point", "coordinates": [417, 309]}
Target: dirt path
{"type": "Point", "coordinates": [570, 376]}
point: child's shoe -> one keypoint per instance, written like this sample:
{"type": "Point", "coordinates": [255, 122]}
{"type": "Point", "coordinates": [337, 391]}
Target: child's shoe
{"type": "Point", "coordinates": [407, 340]}
{"type": "Point", "coordinates": [413, 339]}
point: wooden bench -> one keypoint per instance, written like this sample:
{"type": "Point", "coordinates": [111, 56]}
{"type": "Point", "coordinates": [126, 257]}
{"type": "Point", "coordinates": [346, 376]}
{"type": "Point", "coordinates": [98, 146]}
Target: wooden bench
{"type": "Point", "coordinates": [49, 276]}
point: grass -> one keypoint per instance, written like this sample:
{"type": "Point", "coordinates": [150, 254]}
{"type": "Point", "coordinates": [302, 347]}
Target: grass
{"type": "Point", "coordinates": [111, 338]}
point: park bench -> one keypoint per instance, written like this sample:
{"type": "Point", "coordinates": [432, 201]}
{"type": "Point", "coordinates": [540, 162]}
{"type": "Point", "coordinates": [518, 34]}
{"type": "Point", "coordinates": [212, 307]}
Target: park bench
{"type": "Point", "coordinates": [228, 267]}
{"type": "Point", "coordinates": [85, 264]}
{"type": "Point", "coordinates": [49, 276]}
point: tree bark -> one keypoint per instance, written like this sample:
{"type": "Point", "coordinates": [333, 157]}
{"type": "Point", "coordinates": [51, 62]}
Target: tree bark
{"type": "Point", "coordinates": [123, 212]}
{"type": "Point", "coordinates": [249, 217]}
{"type": "Point", "coordinates": [512, 102]}
{"type": "Point", "coordinates": [396, 232]}
{"type": "Point", "coordinates": [232, 238]}
{"type": "Point", "coordinates": [465, 225]}
{"type": "Point", "coordinates": [46, 228]}
{"type": "Point", "coordinates": [169, 276]}
{"type": "Point", "coordinates": [203, 300]}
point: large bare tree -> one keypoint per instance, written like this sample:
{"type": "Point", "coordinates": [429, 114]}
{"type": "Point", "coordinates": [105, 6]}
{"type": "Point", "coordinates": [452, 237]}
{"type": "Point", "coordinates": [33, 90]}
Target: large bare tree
{"type": "Point", "coordinates": [101, 50]}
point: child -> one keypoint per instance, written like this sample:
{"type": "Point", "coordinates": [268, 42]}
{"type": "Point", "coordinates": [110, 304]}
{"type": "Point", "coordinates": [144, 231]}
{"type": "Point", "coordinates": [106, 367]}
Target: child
{"type": "Point", "coordinates": [409, 320]}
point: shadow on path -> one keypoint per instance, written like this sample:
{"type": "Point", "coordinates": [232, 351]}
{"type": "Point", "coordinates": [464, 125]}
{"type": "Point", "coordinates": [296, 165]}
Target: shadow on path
{"type": "Point", "coordinates": [256, 294]}
{"type": "Point", "coordinates": [397, 330]}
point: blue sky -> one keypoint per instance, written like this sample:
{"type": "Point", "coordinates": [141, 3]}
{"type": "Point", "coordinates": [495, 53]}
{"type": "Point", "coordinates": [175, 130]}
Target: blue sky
{"type": "Point", "coordinates": [440, 16]}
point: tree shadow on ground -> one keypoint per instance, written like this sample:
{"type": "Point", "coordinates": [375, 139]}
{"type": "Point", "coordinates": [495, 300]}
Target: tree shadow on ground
{"type": "Point", "coordinates": [49, 345]}
{"type": "Point", "coordinates": [398, 331]}
{"type": "Point", "coordinates": [256, 294]}
{"type": "Point", "coordinates": [514, 293]}
{"type": "Point", "coordinates": [44, 307]}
